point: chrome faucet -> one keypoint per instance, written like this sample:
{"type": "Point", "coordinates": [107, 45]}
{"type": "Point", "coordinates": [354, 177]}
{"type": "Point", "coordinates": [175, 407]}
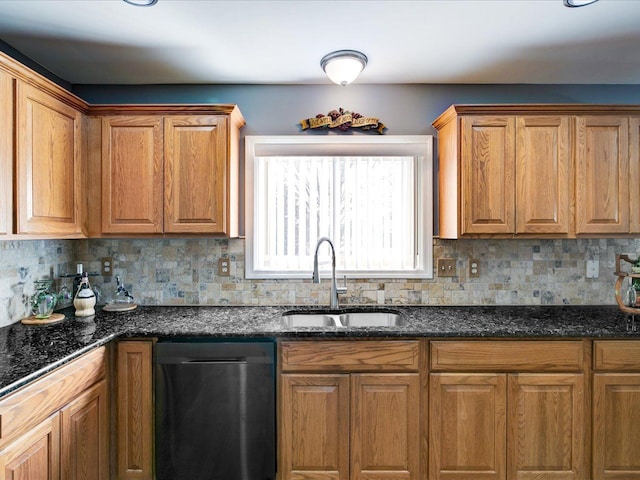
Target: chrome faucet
{"type": "Point", "coordinates": [335, 290]}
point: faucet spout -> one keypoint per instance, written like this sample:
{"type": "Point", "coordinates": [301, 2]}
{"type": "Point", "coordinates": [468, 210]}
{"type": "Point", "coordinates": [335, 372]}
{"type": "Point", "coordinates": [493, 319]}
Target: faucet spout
{"type": "Point", "coordinates": [333, 301]}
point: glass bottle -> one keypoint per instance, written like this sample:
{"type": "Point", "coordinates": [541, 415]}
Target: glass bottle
{"type": "Point", "coordinates": [43, 300]}
{"type": "Point", "coordinates": [85, 299]}
{"type": "Point", "coordinates": [635, 282]}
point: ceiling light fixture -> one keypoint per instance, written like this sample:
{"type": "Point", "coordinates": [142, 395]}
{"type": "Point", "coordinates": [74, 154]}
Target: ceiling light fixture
{"type": "Point", "coordinates": [141, 3]}
{"type": "Point", "coordinates": [343, 66]}
{"type": "Point", "coordinates": [578, 3]}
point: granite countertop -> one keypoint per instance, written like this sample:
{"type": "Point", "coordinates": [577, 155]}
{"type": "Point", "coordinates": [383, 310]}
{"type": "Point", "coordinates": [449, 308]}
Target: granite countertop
{"type": "Point", "coordinates": [27, 352]}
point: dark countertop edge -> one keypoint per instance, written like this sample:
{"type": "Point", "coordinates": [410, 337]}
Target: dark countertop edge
{"type": "Point", "coordinates": [24, 381]}
{"type": "Point", "coordinates": [328, 333]}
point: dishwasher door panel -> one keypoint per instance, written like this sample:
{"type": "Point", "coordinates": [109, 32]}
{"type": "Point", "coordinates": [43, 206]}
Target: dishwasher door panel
{"type": "Point", "coordinates": [215, 411]}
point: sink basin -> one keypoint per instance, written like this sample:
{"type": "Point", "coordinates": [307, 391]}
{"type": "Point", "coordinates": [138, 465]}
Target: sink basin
{"type": "Point", "coordinates": [309, 320]}
{"type": "Point", "coordinates": [372, 319]}
{"type": "Point", "coordinates": [342, 320]}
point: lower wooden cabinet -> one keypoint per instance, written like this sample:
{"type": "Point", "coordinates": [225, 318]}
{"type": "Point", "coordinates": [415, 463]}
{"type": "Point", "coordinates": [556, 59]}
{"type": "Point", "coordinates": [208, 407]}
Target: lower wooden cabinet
{"type": "Point", "coordinates": [134, 410]}
{"type": "Point", "coordinates": [34, 455]}
{"type": "Point", "coordinates": [467, 420]}
{"type": "Point", "coordinates": [85, 436]}
{"type": "Point", "coordinates": [346, 423]}
{"type": "Point", "coordinates": [58, 426]}
{"type": "Point", "coordinates": [616, 410]}
{"type": "Point", "coordinates": [507, 424]}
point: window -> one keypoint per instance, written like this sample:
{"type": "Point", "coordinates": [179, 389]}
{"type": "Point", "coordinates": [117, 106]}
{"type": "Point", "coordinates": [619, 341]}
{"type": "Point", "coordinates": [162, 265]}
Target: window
{"type": "Point", "coordinates": [371, 195]}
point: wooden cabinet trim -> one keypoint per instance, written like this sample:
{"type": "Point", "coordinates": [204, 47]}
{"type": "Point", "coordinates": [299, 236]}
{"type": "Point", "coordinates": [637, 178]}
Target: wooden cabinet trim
{"type": "Point", "coordinates": [507, 356]}
{"type": "Point", "coordinates": [30, 405]}
{"type": "Point", "coordinates": [619, 355]}
{"type": "Point", "coordinates": [356, 356]}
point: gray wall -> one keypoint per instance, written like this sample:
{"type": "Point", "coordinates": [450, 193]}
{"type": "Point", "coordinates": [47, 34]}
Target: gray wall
{"type": "Point", "coordinates": [405, 109]}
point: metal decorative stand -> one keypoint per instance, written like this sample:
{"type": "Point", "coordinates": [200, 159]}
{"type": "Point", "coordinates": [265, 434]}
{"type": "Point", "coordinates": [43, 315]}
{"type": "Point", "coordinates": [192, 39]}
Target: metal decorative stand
{"type": "Point", "coordinates": [621, 274]}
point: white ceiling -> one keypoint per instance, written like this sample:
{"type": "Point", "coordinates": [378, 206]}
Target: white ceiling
{"type": "Point", "coordinates": [282, 42]}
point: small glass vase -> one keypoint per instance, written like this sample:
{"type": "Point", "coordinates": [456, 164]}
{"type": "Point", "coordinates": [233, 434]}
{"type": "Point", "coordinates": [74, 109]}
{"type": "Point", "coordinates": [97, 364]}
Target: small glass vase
{"type": "Point", "coordinates": [43, 300]}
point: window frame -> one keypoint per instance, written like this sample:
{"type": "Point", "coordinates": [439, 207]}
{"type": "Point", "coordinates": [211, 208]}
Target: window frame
{"type": "Point", "coordinates": [418, 146]}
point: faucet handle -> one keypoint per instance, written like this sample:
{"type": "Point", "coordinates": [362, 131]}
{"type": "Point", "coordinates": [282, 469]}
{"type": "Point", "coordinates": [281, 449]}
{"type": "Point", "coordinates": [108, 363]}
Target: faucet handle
{"type": "Point", "coordinates": [342, 289]}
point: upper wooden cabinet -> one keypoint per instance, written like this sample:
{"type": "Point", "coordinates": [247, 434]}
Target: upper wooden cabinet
{"type": "Point", "coordinates": [132, 174]}
{"type": "Point", "coordinates": [503, 174]}
{"type": "Point", "coordinates": [165, 173]}
{"type": "Point", "coordinates": [48, 170]}
{"type": "Point", "coordinates": [41, 155]}
{"type": "Point", "coordinates": [196, 175]}
{"type": "Point", "coordinates": [602, 174]}
{"type": "Point", "coordinates": [486, 174]}
{"type": "Point", "coordinates": [6, 153]}
{"type": "Point", "coordinates": [538, 170]}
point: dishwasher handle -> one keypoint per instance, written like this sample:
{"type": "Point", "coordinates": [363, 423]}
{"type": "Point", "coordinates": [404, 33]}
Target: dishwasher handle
{"type": "Point", "coordinates": [213, 361]}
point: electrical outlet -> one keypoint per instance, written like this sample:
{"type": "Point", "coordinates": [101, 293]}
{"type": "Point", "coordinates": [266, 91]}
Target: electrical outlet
{"type": "Point", "coordinates": [446, 267]}
{"type": "Point", "coordinates": [474, 268]}
{"type": "Point", "coordinates": [593, 268]}
{"type": "Point", "coordinates": [106, 267]}
{"type": "Point", "coordinates": [224, 267]}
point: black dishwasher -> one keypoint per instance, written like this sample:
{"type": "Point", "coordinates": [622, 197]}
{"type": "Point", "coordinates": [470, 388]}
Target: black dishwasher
{"type": "Point", "coordinates": [214, 410]}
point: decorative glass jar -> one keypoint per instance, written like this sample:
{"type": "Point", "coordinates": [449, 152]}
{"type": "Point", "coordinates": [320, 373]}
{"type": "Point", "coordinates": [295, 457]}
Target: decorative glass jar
{"type": "Point", "coordinates": [43, 300]}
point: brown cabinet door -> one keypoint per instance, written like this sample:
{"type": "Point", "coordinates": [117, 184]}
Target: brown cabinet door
{"type": "Point", "coordinates": [314, 427]}
{"type": "Point", "coordinates": [385, 426]}
{"type": "Point", "coordinates": [6, 153]}
{"type": "Point", "coordinates": [195, 174]}
{"type": "Point", "coordinates": [85, 436]}
{"type": "Point", "coordinates": [132, 174]}
{"type": "Point", "coordinates": [542, 174]}
{"type": "Point", "coordinates": [488, 163]}
{"type": "Point", "coordinates": [47, 164]}
{"type": "Point", "coordinates": [546, 427]}
{"type": "Point", "coordinates": [135, 410]}
{"type": "Point", "coordinates": [602, 174]}
{"type": "Point", "coordinates": [467, 426]}
{"type": "Point", "coordinates": [35, 455]}
{"type": "Point", "coordinates": [634, 169]}
{"type": "Point", "coordinates": [616, 426]}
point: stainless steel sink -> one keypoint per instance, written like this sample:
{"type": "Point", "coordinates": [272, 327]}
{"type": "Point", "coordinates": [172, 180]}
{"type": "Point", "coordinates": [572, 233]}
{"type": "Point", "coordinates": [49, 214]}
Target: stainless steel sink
{"type": "Point", "coordinates": [292, 319]}
{"type": "Point", "coordinates": [372, 319]}
{"type": "Point", "coordinates": [342, 320]}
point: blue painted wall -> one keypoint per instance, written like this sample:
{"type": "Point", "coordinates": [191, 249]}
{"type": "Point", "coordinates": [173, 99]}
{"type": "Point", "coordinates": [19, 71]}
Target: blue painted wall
{"type": "Point", "coordinates": [405, 109]}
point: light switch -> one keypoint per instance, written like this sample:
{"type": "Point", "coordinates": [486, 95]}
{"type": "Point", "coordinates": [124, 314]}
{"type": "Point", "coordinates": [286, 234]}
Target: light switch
{"type": "Point", "coordinates": [446, 267]}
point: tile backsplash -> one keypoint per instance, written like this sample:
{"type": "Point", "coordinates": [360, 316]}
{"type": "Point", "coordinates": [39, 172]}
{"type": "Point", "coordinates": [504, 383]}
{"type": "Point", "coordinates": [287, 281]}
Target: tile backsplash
{"type": "Point", "coordinates": [184, 271]}
{"type": "Point", "coordinates": [22, 262]}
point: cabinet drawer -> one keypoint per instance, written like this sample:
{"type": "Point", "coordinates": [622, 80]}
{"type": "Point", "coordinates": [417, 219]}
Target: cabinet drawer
{"type": "Point", "coordinates": [360, 356]}
{"type": "Point", "coordinates": [33, 403]}
{"type": "Point", "coordinates": [616, 355]}
{"type": "Point", "coordinates": [507, 356]}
